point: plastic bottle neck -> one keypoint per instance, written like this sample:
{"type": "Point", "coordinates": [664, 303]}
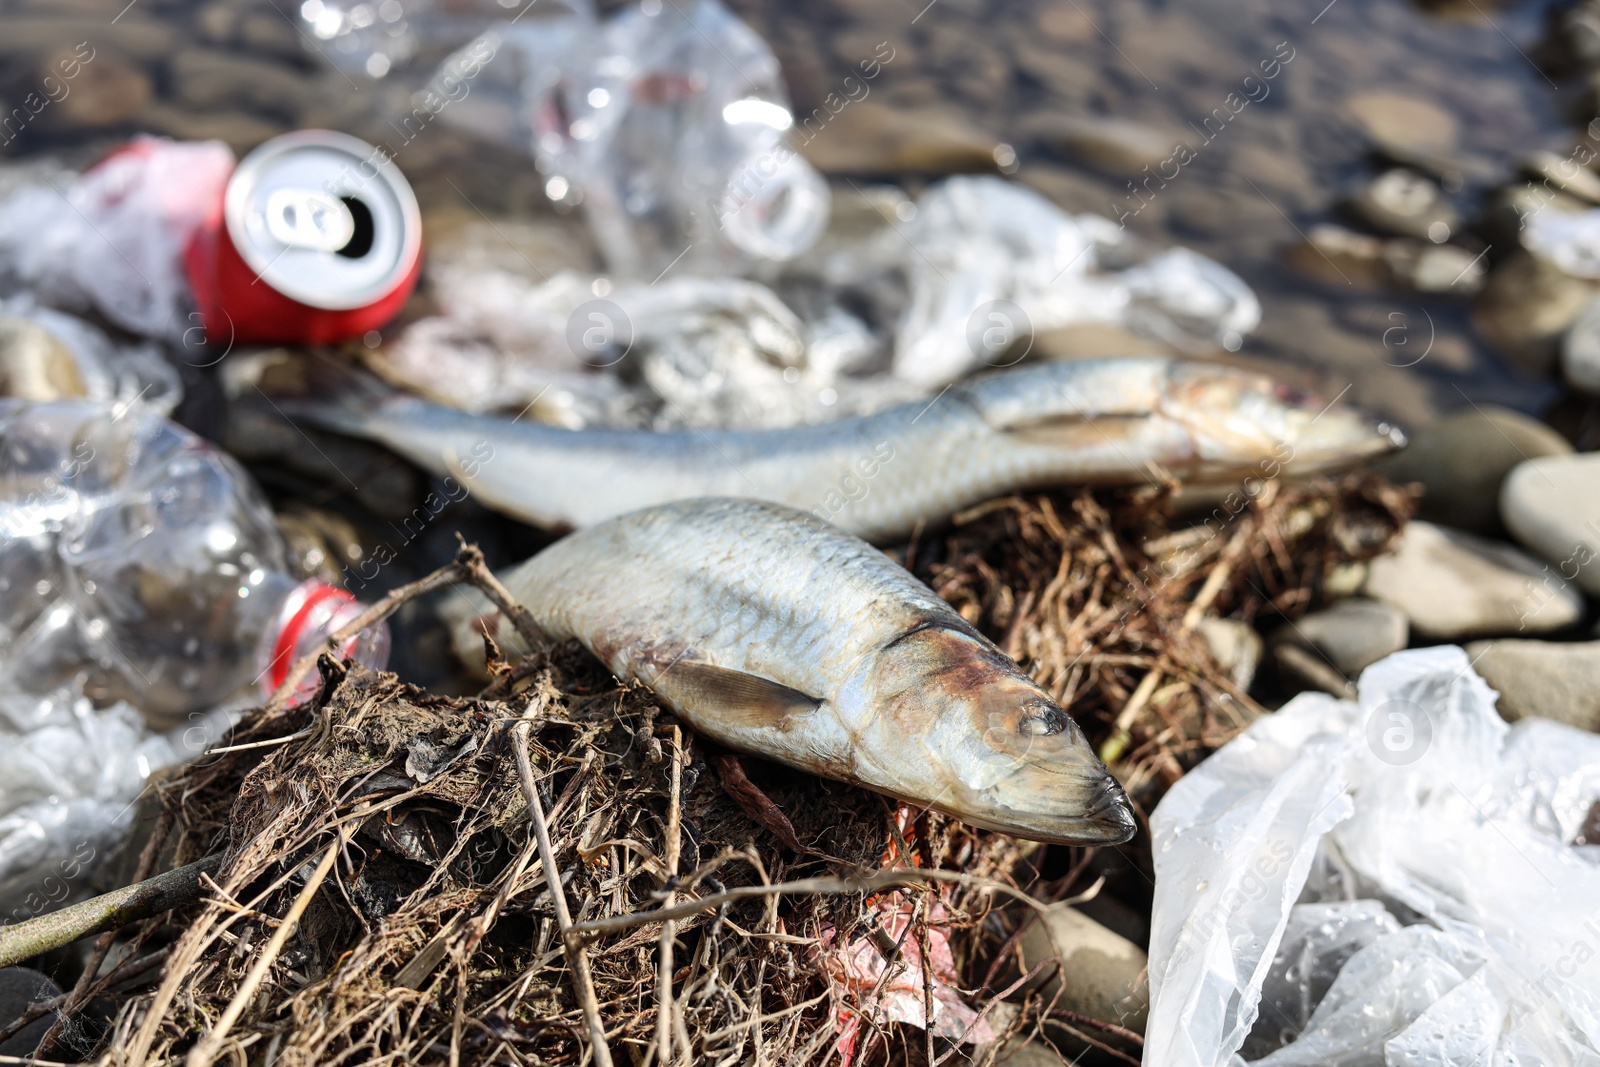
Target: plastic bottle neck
{"type": "Point", "coordinates": [311, 613]}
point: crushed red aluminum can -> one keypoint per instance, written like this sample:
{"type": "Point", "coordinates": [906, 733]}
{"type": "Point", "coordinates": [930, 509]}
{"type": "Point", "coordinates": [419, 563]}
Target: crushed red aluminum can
{"type": "Point", "coordinates": [316, 239]}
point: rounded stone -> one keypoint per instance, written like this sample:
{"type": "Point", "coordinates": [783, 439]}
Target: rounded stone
{"type": "Point", "coordinates": [1101, 974]}
{"type": "Point", "coordinates": [1526, 305]}
{"type": "Point", "coordinates": [873, 138]}
{"type": "Point", "coordinates": [1552, 505]}
{"type": "Point", "coordinates": [1116, 147]}
{"type": "Point", "coordinates": [1564, 173]}
{"type": "Point", "coordinates": [1580, 350]}
{"type": "Point", "coordinates": [1463, 458]}
{"type": "Point", "coordinates": [1403, 202]}
{"type": "Point", "coordinates": [1452, 585]}
{"type": "Point", "coordinates": [1542, 679]}
{"type": "Point", "coordinates": [1235, 646]}
{"type": "Point", "coordinates": [1404, 124]}
{"type": "Point", "coordinates": [1350, 635]}
{"type": "Point", "coordinates": [107, 91]}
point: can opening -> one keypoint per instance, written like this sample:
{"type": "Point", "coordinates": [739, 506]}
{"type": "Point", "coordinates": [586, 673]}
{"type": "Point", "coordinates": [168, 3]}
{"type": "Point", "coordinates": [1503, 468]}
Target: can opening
{"type": "Point", "coordinates": [360, 242]}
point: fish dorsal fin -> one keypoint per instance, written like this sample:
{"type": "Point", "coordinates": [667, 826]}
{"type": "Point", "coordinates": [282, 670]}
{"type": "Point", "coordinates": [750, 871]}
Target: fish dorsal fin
{"type": "Point", "coordinates": [731, 698]}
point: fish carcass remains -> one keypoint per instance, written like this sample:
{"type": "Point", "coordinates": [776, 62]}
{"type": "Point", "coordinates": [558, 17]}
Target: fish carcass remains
{"type": "Point", "coordinates": [776, 634]}
{"type": "Point", "coordinates": [1094, 422]}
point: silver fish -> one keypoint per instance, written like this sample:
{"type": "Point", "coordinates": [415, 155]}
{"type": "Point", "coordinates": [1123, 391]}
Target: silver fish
{"type": "Point", "coordinates": [1093, 422]}
{"type": "Point", "coordinates": [779, 635]}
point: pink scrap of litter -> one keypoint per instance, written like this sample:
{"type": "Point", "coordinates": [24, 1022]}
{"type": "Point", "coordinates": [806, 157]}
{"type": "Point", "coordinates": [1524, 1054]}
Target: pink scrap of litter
{"type": "Point", "coordinates": [857, 968]}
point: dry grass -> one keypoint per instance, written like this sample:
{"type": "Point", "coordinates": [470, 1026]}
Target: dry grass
{"type": "Point", "coordinates": [395, 825]}
{"type": "Point", "coordinates": [1099, 595]}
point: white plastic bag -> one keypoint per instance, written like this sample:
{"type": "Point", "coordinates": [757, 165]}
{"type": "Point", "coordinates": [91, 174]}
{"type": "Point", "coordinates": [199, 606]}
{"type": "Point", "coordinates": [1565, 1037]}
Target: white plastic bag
{"type": "Point", "coordinates": [1418, 797]}
{"type": "Point", "coordinates": [985, 255]}
{"type": "Point", "coordinates": [683, 352]}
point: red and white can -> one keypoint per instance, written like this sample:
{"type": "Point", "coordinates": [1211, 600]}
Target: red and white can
{"type": "Point", "coordinates": [317, 239]}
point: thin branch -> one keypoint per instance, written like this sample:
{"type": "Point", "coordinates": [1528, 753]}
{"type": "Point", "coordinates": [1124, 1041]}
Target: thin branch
{"type": "Point", "coordinates": [206, 1051]}
{"type": "Point", "coordinates": [665, 1005]}
{"type": "Point", "coordinates": [577, 958]}
{"type": "Point", "coordinates": [105, 912]}
{"type": "Point", "coordinates": [879, 880]}
{"type": "Point", "coordinates": [470, 559]}
{"type": "Point", "coordinates": [1123, 1032]}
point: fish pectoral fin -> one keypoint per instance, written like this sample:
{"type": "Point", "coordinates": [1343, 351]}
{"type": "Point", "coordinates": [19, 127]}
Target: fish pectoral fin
{"type": "Point", "coordinates": [736, 698]}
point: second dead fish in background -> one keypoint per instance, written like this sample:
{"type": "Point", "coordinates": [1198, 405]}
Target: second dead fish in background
{"type": "Point", "coordinates": [1094, 422]}
{"type": "Point", "coordinates": [779, 635]}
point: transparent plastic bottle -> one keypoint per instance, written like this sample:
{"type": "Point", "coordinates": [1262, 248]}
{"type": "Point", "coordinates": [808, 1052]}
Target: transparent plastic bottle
{"type": "Point", "coordinates": [671, 130]}
{"type": "Point", "coordinates": [140, 563]}
{"type": "Point", "coordinates": [377, 37]}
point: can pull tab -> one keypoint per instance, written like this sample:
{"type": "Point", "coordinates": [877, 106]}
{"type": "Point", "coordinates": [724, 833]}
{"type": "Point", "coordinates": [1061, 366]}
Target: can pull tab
{"type": "Point", "coordinates": [301, 218]}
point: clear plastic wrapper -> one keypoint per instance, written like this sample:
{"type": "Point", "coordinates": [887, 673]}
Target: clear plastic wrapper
{"type": "Point", "coordinates": [1419, 798]}
{"type": "Point", "coordinates": [112, 238]}
{"type": "Point", "coordinates": [860, 322]}
{"type": "Point", "coordinates": [72, 774]}
{"type": "Point", "coordinates": [975, 242]}
{"type": "Point", "coordinates": [702, 352]}
{"type": "Point", "coordinates": [1318, 941]}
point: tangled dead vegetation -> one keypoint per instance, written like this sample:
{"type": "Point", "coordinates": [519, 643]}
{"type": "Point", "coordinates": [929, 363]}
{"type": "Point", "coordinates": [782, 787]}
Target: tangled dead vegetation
{"type": "Point", "coordinates": [1101, 595]}
{"type": "Point", "coordinates": [385, 893]}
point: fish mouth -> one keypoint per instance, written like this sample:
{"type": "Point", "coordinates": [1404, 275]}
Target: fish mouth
{"type": "Point", "coordinates": [1342, 438]}
{"type": "Point", "coordinates": [1232, 415]}
{"type": "Point", "coordinates": [1108, 819]}
{"type": "Point", "coordinates": [1096, 812]}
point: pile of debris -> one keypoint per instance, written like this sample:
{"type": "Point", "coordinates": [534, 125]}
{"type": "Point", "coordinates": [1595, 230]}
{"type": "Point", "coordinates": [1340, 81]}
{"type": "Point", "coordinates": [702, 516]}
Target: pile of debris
{"type": "Point", "coordinates": [391, 847]}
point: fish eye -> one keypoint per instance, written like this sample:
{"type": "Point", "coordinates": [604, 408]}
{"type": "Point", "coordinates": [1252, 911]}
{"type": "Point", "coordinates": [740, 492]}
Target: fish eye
{"type": "Point", "coordinates": [1041, 720]}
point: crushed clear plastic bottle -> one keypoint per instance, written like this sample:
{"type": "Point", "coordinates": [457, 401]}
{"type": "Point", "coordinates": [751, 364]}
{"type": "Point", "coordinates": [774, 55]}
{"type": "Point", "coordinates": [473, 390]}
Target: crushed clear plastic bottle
{"type": "Point", "coordinates": [672, 133]}
{"type": "Point", "coordinates": [375, 37]}
{"type": "Point", "coordinates": [140, 563]}
{"type": "Point", "coordinates": [667, 123]}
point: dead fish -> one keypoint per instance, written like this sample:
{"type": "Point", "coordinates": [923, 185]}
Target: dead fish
{"type": "Point", "coordinates": [1093, 422]}
{"type": "Point", "coordinates": [779, 635]}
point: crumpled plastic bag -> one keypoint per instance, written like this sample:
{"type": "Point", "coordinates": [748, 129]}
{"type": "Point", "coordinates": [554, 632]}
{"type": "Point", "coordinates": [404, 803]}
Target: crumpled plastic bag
{"type": "Point", "coordinates": [863, 321]}
{"type": "Point", "coordinates": [977, 241]}
{"type": "Point", "coordinates": [683, 352]}
{"type": "Point", "coordinates": [1416, 802]}
{"type": "Point", "coordinates": [112, 238]}
{"type": "Point", "coordinates": [70, 775]}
